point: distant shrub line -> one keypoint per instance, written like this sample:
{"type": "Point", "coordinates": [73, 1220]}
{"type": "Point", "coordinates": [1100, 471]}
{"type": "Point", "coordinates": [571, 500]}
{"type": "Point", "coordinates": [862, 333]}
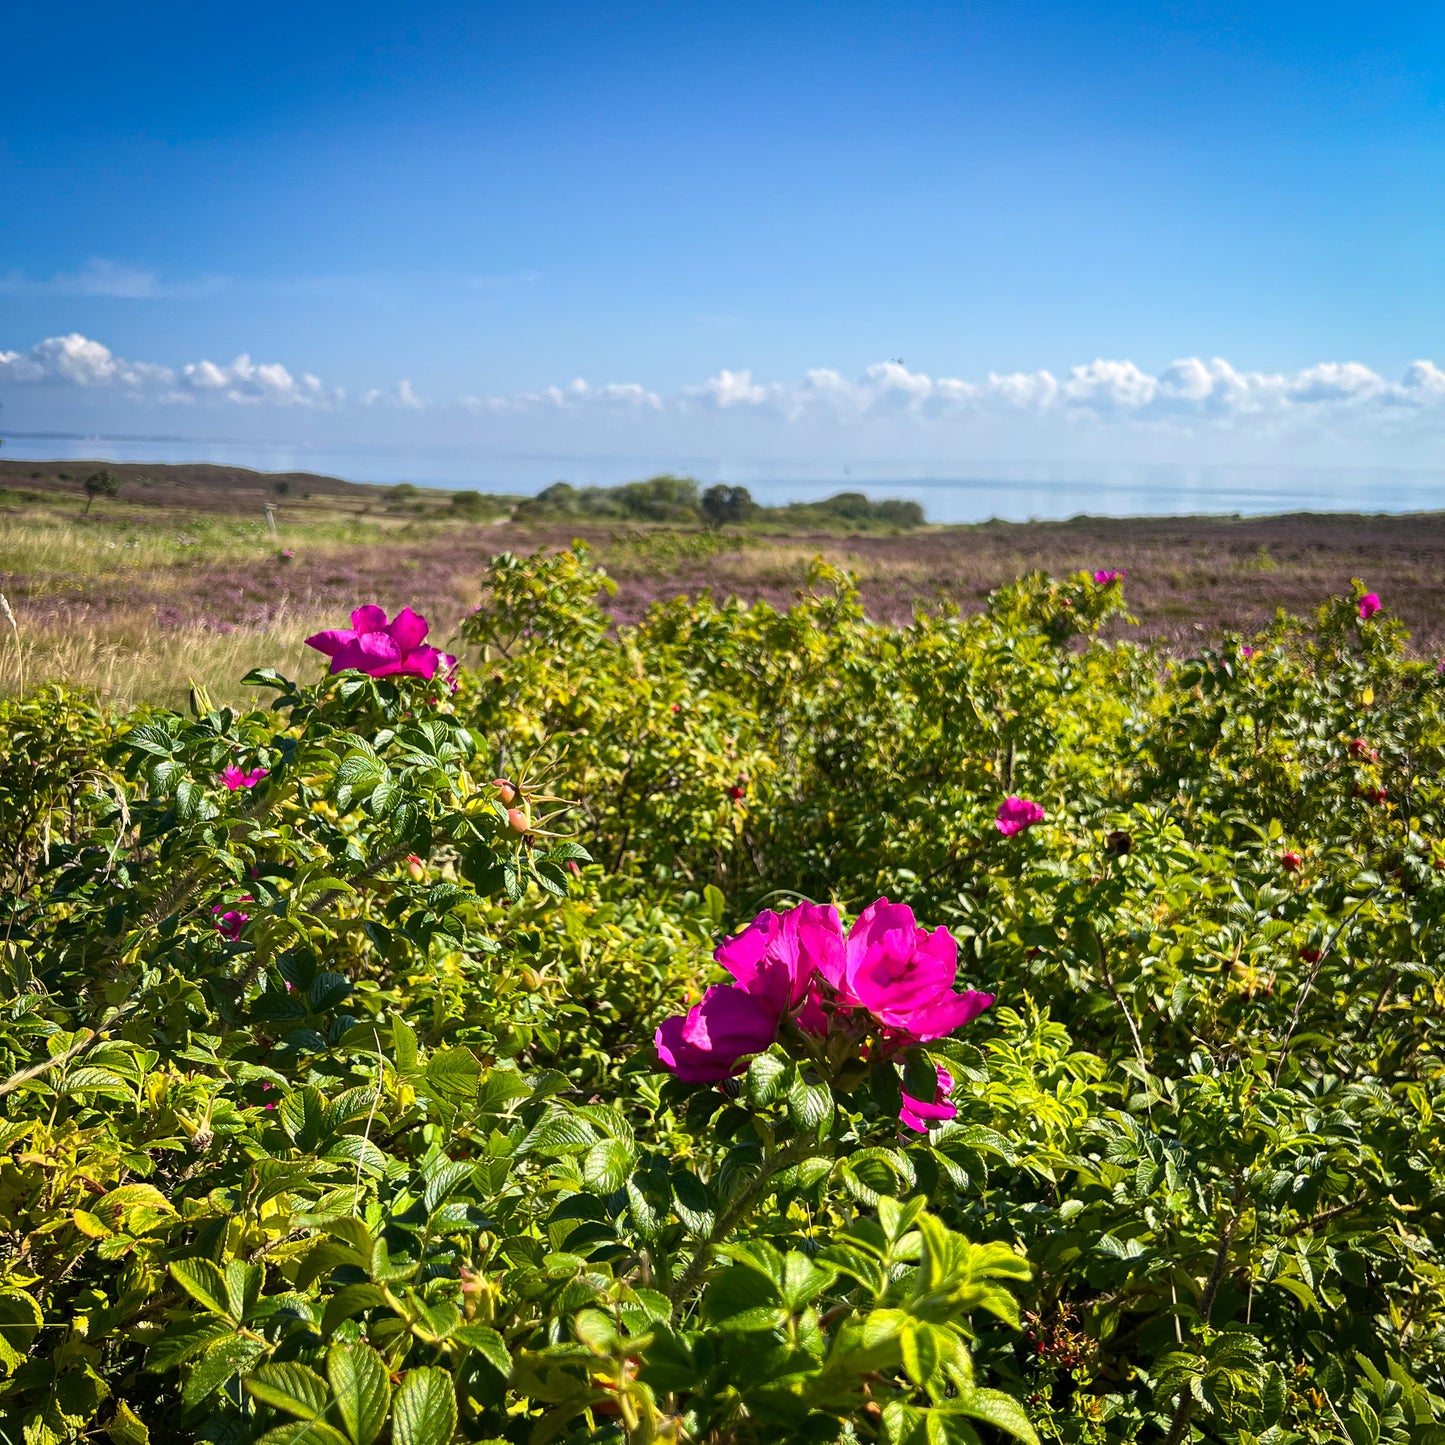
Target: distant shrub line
{"type": "Point", "coordinates": [680, 499]}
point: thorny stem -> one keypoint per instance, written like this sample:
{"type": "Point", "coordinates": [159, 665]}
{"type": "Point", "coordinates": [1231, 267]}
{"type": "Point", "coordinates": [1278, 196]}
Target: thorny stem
{"type": "Point", "coordinates": [1344, 924]}
{"type": "Point", "coordinates": [1185, 1407]}
{"type": "Point", "coordinates": [1128, 1018]}
{"type": "Point", "coordinates": [80, 1046]}
{"type": "Point", "coordinates": [790, 1154]}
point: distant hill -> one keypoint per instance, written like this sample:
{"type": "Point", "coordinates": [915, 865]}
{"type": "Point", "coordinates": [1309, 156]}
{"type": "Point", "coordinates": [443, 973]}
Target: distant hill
{"type": "Point", "coordinates": [145, 481]}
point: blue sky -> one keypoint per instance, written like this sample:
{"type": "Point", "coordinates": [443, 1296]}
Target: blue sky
{"type": "Point", "coordinates": [733, 222]}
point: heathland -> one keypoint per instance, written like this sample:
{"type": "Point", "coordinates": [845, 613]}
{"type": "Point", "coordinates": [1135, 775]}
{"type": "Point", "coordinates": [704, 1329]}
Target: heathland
{"type": "Point", "coordinates": [196, 573]}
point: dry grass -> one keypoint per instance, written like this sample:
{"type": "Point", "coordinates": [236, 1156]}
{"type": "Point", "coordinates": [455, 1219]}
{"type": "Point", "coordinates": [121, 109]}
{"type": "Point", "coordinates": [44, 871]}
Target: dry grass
{"type": "Point", "coordinates": [137, 603]}
{"type": "Point", "coordinates": [130, 660]}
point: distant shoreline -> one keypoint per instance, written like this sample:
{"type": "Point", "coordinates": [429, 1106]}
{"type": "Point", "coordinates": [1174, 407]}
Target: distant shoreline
{"type": "Point", "coordinates": [219, 483]}
{"type": "Point", "coordinates": [1017, 492]}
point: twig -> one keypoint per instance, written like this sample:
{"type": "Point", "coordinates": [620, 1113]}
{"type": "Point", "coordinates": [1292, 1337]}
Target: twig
{"type": "Point", "coordinates": [726, 1222]}
{"type": "Point", "coordinates": [19, 646]}
{"type": "Point", "coordinates": [1325, 952]}
{"type": "Point", "coordinates": [81, 1046]}
{"type": "Point", "coordinates": [1185, 1408]}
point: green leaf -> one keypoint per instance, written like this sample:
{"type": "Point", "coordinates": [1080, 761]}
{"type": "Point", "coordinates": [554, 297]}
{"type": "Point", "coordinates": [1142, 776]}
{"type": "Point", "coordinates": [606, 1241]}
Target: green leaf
{"type": "Point", "coordinates": [362, 1388]}
{"type": "Point", "coordinates": [425, 1409]}
{"type": "Point", "coordinates": [489, 1344]}
{"type": "Point", "coordinates": [884, 1085]}
{"type": "Point", "coordinates": [184, 1340]}
{"type": "Point", "coordinates": [304, 1432]}
{"type": "Point", "coordinates": [228, 1358]}
{"type": "Point", "coordinates": [243, 1287]}
{"type": "Point", "coordinates": [607, 1165]}
{"type": "Point", "coordinates": [1001, 1411]}
{"type": "Point", "coordinates": [302, 1113]}
{"type": "Point", "coordinates": [127, 1428]}
{"type": "Point", "coordinates": [767, 1080]}
{"type": "Point", "coordinates": [403, 1046]}
{"type": "Point", "coordinates": [454, 1073]}
{"type": "Point", "coordinates": [20, 1323]}
{"type": "Point", "coordinates": [350, 1300]}
{"type": "Point", "coordinates": [291, 1387]}
{"type": "Point", "coordinates": [360, 1153]}
{"type": "Point", "coordinates": [265, 677]}
{"type": "Point", "coordinates": [203, 1282]}
{"type": "Point", "coordinates": [920, 1075]}
{"type": "Point", "coordinates": [810, 1106]}
{"type": "Point", "coordinates": [921, 1358]}
{"type": "Point", "coordinates": [446, 1177]}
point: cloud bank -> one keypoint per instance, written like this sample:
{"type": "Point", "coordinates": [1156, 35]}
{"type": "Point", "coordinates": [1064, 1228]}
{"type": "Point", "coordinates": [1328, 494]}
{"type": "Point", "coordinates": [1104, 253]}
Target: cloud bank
{"type": "Point", "coordinates": [77, 361]}
{"type": "Point", "coordinates": [1193, 397]}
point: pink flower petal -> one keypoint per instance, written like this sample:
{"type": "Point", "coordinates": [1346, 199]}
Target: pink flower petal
{"type": "Point", "coordinates": [1015, 814]}
{"type": "Point", "coordinates": [370, 618]}
{"type": "Point", "coordinates": [407, 630]}
{"type": "Point", "coordinates": [918, 1115]}
{"type": "Point", "coordinates": [945, 1014]}
{"type": "Point", "coordinates": [371, 652]}
{"type": "Point", "coordinates": [332, 642]}
{"type": "Point", "coordinates": [777, 955]}
{"type": "Point", "coordinates": [422, 662]}
{"type": "Point", "coordinates": [707, 1045]}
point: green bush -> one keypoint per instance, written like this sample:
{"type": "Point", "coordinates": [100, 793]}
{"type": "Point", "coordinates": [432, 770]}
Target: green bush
{"type": "Point", "coordinates": [332, 1111]}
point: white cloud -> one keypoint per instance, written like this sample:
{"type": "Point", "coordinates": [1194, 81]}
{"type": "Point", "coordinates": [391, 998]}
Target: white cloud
{"type": "Point", "coordinates": [1191, 397]}
{"type": "Point", "coordinates": [102, 277]}
{"type": "Point", "coordinates": [501, 281]}
{"type": "Point", "coordinates": [76, 360]}
{"type": "Point", "coordinates": [246, 381]}
{"type": "Point", "coordinates": [731, 388]}
{"type": "Point", "coordinates": [401, 397]}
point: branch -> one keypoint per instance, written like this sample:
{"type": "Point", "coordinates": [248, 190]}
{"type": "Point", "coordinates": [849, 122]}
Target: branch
{"type": "Point", "coordinates": [726, 1222]}
{"type": "Point", "coordinates": [81, 1046]}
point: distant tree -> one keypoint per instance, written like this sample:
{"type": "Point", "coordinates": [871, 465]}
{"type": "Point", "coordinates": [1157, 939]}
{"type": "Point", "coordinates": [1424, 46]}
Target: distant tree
{"type": "Point", "coordinates": [99, 484]}
{"type": "Point", "coordinates": [659, 499]}
{"type": "Point", "coordinates": [469, 504]}
{"type": "Point", "coordinates": [559, 497]}
{"type": "Point", "coordinates": [282, 489]}
{"type": "Point", "coordinates": [849, 506]}
{"type": "Point", "coordinates": [900, 514]}
{"type": "Point", "coordinates": [402, 491]}
{"type": "Point", "coordinates": [722, 505]}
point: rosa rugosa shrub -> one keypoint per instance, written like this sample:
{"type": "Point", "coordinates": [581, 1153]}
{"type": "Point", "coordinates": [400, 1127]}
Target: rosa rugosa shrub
{"type": "Point", "coordinates": [367, 1080]}
{"type": "Point", "coordinates": [289, 1153]}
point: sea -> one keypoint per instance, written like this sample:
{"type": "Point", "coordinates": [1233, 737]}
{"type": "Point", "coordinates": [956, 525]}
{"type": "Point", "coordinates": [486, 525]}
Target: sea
{"type": "Point", "coordinates": [1007, 491]}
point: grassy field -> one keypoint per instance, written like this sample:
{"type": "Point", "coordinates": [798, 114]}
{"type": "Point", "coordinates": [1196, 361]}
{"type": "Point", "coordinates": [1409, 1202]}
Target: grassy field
{"type": "Point", "coordinates": [183, 578]}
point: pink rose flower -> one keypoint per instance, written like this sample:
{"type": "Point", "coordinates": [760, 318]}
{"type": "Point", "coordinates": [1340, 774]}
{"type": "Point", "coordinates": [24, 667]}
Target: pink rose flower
{"type": "Point", "coordinates": [230, 923]}
{"type": "Point", "coordinates": [1103, 579]}
{"type": "Point", "coordinates": [708, 1044]}
{"type": "Point", "coordinates": [777, 956]}
{"type": "Point", "coordinates": [380, 648]}
{"type": "Point", "coordinates": [234, 778]}
{"type": "Point", "coordinates": [902, 975]}
{"type": "Point", "coordinates": [799, 965]}
{"type": "Point", "coordinates": [1369, 605]}
{"type": "Point", "coordinates": [918, 1115]}
{"type": "Point", "coordinates": [1016, 814]}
